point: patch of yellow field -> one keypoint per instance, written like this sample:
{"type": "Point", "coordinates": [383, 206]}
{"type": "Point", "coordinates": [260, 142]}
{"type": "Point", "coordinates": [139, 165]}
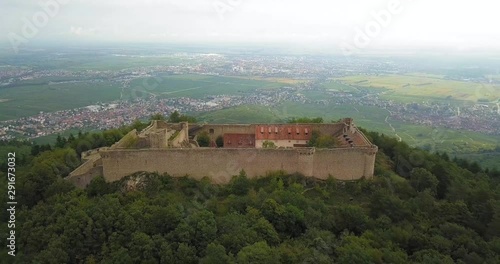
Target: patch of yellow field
{"type": "Point", "coordinates": [428, 75]}
{"type": "Point", "coordinates": [494, 77]}
{"type": "Point", "coordinates": [273, 79]}
{"type": "Point", "coordinates": [427, 86]}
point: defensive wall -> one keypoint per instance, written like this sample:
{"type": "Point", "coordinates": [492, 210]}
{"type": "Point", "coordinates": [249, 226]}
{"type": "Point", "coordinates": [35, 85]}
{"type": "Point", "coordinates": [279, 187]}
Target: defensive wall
{"type": "Point", "coordinates": [169, 148]}
{"type": "Point", "coordinates": [91, 168]}
{"type": "Point", "coordinates": [220, 164]}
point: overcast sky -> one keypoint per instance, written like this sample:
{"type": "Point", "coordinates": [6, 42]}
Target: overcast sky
{"type": "Point", "coordinates": [418, 23]}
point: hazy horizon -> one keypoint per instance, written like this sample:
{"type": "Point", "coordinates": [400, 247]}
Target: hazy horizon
{"type": "Point", "coordinates": [322, 26]}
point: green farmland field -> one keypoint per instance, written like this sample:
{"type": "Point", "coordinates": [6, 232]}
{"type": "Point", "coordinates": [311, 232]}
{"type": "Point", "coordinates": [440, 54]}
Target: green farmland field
{"type": "Point", "coordinates": [27, 100]}
{"type": "Point", "coordinates": [199, 86]}
{"type": "Point", "coordinates": [33, 96]}
{"type": "Point", "coordinates": [242, 114]}
{"type": "Point", "coordinates": [425, 86]}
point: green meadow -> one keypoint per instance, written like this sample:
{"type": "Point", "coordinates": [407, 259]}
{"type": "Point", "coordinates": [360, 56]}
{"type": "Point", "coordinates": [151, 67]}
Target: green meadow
{"type": "Point", "coordinates": [425, 86]}
{"type": "Point", "coordinates": [200, 86]}
{"type": "Point", "coordinates": [29, 99]}
{"type": "Point", "coordinates": [245, 114]}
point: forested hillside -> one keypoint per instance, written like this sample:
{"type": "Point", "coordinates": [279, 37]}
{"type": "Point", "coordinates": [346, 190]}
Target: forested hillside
{"type": "Point", "coordinates": [419, 208]}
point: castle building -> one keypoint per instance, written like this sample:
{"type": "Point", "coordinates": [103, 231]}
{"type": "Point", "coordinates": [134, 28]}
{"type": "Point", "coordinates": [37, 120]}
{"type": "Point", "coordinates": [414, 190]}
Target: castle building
{"type": "Point", "coordinates": [283, 135]}
{"type": "Point", "coordinates": [255, 148]}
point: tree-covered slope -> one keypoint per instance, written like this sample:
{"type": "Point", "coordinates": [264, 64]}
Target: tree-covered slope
{"type": "Point", "coordinates": [419, 208]}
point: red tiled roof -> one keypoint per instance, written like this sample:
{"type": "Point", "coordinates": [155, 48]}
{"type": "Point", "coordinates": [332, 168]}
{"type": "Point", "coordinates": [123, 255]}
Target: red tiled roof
{"type": "Point", "coordinates": [356, 139]}
{"type": "Point", "coordinates": [282, 132]}
{"type": "Point", "coordinates": [239, 140]}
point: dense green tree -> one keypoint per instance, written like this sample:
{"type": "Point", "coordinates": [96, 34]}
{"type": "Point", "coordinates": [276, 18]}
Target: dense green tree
{"type": "Point", "coordinates": [120, 255]}
{"type": "Point", "coordinates": [34, 184]}
{"type": "Point", "coordinates": [433, 211]}
{"type": "Point", "coordinates": [320, 140]}
{"type": "Point", "coordinates": [98, 140]}
{"type": "Point", "coordinates": [82, 146]}
{"type": "Point", "coordinates": [216, 254]}
{"type": "Point", "coordinates": [306, 120]}
{"type": "Point", "coordinates": [268, 144]}
{"type": "Point", "coordinates": [176, 117]}
{"type": "Point", "coordinates": [112, 136]}
{"type": "Point", "coordinates": [35, 149]}
{"type": "Point", "coordinates": [259, 252]}
{"type": "Point", "coordinates": [60, 141]}
{"type": "Point", "coordinates": [203, 139]}
{"type": "Point", "coordinates": [421, 179]}
{"type": "Point", "coordinates": [352, 218]}
{"type": "Point", "coordinates": [431, 256]}
{"type": "Point", "coordinates": [98, 186]}
{"type": "Point", "coordinates": [179, 253]}
{"type": "Point", "coordinates": [219, 141]}
{"type": "Point", "coordinates": [383, 203]}
{"type": "Point", "coordinates": [71, 138]}
{"type": "Point", "coordinates": [287, 219]}
{"type": "Point", "coordinates": [159, 117]}
{"type": "Point", "coordinates": [141, 248]}
{"type": "Point", "coordinates": [235, 232]}
{"type": "Point", "coordinates": [494, 225]}
{"type": "Point", "coordinates": [266, 231]}
{"type": "Point", "coordinates": [58, 187]}
{"type": "Point", "coordinates": [54, 253]}
{"type": "Point", "coordinates": [357, 250]}
{"type": "Point", "coordinates": [240, 185]}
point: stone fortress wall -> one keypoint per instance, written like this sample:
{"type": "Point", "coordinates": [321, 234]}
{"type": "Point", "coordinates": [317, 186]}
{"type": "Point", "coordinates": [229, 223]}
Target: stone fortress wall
{"type": "Point", "coordinates": [221, 164]}
{"type": "Point", "coordinates": [352, 160]}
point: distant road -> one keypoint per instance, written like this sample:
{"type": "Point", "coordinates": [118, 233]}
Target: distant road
{"type": "Point", "coordinates": [393, 129]}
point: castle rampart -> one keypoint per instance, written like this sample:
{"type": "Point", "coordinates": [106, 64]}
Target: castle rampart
{"type": "Point", "coordinates": [353, 159]}
{"type": "Point", "coordinates": [221, 163]}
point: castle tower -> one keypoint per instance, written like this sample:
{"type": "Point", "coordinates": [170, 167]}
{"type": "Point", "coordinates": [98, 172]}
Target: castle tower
{"type": "Point", "coordinates": [349, 125]}
{"type": "Point", "coordinates": [185, 129]}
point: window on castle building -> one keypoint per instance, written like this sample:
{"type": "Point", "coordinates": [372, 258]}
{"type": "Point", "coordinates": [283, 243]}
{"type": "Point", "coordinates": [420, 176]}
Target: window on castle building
{"type": "Point", "coordinates": [211, 130]}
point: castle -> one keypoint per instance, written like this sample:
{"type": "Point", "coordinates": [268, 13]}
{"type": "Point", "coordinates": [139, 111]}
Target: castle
{"type": "Point", "coordinates": [226, 149]}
